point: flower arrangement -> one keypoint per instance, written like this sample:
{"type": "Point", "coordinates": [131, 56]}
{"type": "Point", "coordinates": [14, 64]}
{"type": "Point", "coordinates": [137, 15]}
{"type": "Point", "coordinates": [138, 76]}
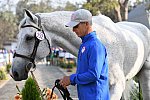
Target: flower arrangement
{"type": "Point", "coordinates": [31, 91]}
{"type": "Point", "coordinates": [48, 91]}
{"type": "Point", "coordinates": [48, 94]}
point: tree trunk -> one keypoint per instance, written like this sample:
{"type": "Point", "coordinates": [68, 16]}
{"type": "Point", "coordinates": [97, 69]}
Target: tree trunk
{"type": "Point", "coordinates": [118, 17]}
{"type": "Point", "coordinates": [88, 1]}
{"type": "Point", "coordinates": [125, 13]}
{"type": "Point", "coordinates": [124, 9]}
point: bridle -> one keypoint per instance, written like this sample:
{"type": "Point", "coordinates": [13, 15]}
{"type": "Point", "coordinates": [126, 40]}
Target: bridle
{"type": "Point", "coordinates": [31, 58]}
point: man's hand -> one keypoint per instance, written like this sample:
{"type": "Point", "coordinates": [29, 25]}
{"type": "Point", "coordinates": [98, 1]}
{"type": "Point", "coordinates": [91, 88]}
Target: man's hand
{"type": "Point", "coordinates": [65, 81]}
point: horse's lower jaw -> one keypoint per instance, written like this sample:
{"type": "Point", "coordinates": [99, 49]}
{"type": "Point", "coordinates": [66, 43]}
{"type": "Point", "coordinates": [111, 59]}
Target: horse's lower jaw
{"type": "Point", "coordinates": [18, 78]}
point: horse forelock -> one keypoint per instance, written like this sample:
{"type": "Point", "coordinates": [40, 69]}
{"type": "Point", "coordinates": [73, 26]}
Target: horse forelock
{"type": "Point", "coordinates": [23, 21]}
{"type": "Point", "coordinates": [27, 20]}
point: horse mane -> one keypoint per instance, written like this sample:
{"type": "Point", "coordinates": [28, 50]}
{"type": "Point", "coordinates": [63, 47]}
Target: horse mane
{"type": "Point", "coordinates": [55, 22]}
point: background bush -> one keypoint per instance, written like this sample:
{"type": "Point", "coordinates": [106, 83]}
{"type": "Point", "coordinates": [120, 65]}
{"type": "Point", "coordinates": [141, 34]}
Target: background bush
{"type": "Point", "coordinates": [3, 75]}
{"type": "Point", "coordinates": [62, 64]}
{"type": "Point", "coordinates": [70, 65]}
{"type": "Point", "coordinates": [67, 64]}
{"type": "Point", "coordinates": [8, 66]}
{"type": "Point", "coordinates": [136, 94]}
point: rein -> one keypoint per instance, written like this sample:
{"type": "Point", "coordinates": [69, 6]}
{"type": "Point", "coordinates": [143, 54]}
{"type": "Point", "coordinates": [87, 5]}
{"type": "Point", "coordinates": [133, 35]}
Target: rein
{"type": "Point", "coordinates": [64, 92]}
{"type": "Point", "coordinates": [31, 58]}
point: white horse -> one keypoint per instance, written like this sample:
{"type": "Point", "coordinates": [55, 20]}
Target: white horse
{"type": "Point", "coordinates": [128, 47]}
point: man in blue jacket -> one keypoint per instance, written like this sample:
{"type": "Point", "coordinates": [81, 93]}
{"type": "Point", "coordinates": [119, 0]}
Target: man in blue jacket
{"type": "Point", "coordinates": [91, 76]}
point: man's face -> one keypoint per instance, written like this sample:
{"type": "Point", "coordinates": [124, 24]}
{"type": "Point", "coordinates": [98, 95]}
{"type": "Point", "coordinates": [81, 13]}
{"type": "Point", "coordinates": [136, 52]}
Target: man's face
{"type": "Point", "coordinates": [81, 29]}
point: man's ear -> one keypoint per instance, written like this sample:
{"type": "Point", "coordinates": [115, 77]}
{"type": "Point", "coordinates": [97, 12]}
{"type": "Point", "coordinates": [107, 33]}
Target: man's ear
{"type": "Point", "coordinates": [87, 23]}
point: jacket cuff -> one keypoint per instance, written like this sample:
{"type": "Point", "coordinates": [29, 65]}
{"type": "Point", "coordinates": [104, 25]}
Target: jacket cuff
{"type": "Point", "coordinates": [72, 79]}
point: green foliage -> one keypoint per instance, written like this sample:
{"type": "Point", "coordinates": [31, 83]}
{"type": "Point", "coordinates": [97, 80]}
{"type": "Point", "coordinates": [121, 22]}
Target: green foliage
{"type": "Point", "coordinates": [66, 64]}
{"type": "Point", "coordinates": [2, 74]}
{"type": "Point", "coordinates": [103, 6]}
{"type": "Point", "coordinates": [42, 7]}
{"type": "Point", "coordinates": [148, 7]}
{"type": "Point", "coordinates": [8, 26]}
{"type": "Point", "coordinates": [117, 10]}
{"type": "Point", "coordinates": [19, 9]}
{"type": "Point", "coordinates": [8, 66]}
{"type": "Point", "coordinates": [70, 7]}
{"type": "Point", "coordinates": [30, 92]}
{"type": "Point", "coordinates": [135, 94]}
{"type": "Point", "coordinates": [62, 64]}
{"type": "Point", "coordinates": [70, 65]}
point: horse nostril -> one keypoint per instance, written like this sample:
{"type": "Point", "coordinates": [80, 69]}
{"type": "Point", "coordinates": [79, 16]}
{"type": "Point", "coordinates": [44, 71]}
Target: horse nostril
{"type": "Point", "coordinates": [16, 74]}
{"type": "Point", "coordinates": [29, 66]}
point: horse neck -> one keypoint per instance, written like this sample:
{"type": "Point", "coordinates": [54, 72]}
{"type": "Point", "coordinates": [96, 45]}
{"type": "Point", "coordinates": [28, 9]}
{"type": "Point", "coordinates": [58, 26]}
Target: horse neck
{"type": "Point", "coordinates": [69, 44]}
{"type": "Point", "coordinates": [58, 34]}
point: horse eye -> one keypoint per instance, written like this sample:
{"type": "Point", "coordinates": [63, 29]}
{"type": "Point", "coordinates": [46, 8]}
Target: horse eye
{"type": "Point", "coordinates": [29, 38]}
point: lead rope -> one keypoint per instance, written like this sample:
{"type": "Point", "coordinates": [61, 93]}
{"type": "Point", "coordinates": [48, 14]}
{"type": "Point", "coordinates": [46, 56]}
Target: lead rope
{"type": "Point", "coordinates": [37, 86]}
{"type": "Point", "coordinates": [64, 92]}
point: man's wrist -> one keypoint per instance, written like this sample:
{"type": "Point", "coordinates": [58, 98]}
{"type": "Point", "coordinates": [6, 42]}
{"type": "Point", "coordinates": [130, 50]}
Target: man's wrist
{"type": "Point", "coordinates": [72, 79]}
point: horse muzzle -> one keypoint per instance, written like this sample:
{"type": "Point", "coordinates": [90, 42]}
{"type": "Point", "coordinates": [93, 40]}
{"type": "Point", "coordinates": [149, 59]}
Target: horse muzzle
{"type": "Point", "coordinates": [21, 73]}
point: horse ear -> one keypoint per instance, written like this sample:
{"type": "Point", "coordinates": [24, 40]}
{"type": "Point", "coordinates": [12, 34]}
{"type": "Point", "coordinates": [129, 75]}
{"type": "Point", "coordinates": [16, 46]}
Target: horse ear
{"type": "Point", "coordinates": [30, 15]}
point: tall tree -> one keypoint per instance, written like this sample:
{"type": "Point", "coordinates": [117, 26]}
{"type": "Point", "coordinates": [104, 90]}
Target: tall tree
{"type": "Point", "coordinates": [122, 10]}
{"type": "Point", "coordinates": [41, 7]}
{"type": "Point", "coordinates": [70, 7]}
{"type": "Point", "coordinates": [19, 9]}
{"type": "Point", "coordinates": [100, 6]}
{"type": "Point", "coordinates": [118, 8]}
{"type": "Point", "coordinates": [8, 26]}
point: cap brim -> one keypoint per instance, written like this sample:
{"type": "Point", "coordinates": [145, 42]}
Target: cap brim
{"type": "Point", "coordinates": [72, 24]}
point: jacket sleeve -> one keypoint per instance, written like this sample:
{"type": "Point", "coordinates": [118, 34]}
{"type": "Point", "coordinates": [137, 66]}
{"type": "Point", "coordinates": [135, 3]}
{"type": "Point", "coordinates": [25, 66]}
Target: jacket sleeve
{"type": "Point", "coordinates": [96, 60]}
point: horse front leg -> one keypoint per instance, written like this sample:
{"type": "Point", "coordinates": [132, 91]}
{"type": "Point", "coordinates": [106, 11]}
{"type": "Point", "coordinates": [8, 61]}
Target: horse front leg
{"type": "Point", "coordinates": [117, 82]}
{"type": "Point", "coordinates": [144, 78]}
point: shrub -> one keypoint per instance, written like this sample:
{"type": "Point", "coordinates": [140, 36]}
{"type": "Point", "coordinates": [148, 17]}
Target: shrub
{"type": "Point", "coordinates": [8, 66]}
{"type": "Point", "coordinates": [136, 94]}
{"type": "Point", "coordinates": [63, 64]}
{"type": "Point", "coordinates": [70, 65]}
{"type": "Point", "coordinates": [30, 91]}
{"type": "Point", "coordinates": [2, 74]}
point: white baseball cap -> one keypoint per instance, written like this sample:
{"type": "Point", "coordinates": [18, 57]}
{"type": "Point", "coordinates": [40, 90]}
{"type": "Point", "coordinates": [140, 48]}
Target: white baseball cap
{"type": "Point", "coordinates": [81, 15]}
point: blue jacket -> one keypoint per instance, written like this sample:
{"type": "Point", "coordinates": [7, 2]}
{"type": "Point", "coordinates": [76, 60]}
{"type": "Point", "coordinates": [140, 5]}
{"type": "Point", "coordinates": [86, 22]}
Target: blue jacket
{"type": "Point", "coordinates": [91, 76]}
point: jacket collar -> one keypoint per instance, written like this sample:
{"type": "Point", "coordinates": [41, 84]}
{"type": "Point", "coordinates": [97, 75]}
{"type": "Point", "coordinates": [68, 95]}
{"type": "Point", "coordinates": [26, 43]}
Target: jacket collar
{"type": "Point", "coordinates": [88, 36]}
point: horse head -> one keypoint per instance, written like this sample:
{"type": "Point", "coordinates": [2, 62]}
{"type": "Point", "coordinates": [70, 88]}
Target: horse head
{"type": "Point", "coordinates": [33, 45]}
